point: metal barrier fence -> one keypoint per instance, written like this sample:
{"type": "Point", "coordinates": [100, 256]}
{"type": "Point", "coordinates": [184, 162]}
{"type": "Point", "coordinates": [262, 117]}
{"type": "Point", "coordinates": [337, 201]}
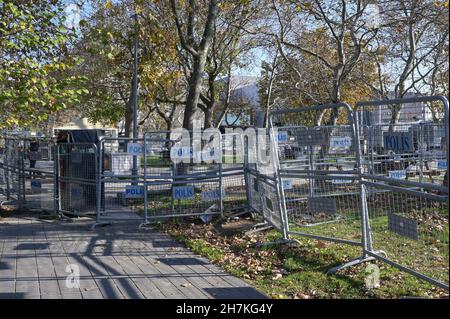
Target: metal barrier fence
{"type": "Point", "coordinates": [12, 167]}
{"type": "Point", "coordinates": [145, 179]}
{"type": "Point", "coordinates": [376, 178]}
{"type": "Point", "coordinates": [319, 170]}
{"type": "Point", "coordinates": [27, 172]}
{"type": "Point", "coordinates": [404, 141]}
{"type": "Point", "coordinates": [119, 181]}
{"type": "Point", "coordinates": [405, 153]}
{"type": "Point", "coordinates": [40, 191]}
{"type": "Point", "coordinates": [184, 181]}
{"type": "Point", "coordinates": [180, 186]}
{"type": "Point", "coordinates": [76, 170]}
{"type": "Point", "coordinates": [263, 191]}
{"type": "Point", "coordinates": [234, 184]}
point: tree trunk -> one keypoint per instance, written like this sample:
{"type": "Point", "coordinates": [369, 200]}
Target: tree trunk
{"type": "Point", "coordinates": [209, 117]}
{"type": "Point", "coordinates": [195, 83]}
{"type": "Point", "coordinates": [227, 100]}
{"type": "Point", "coordinates": [195, 80]}
{"type": "Point", "coordinates": [129, 118]}
{"type": "Point", "coordinates": [129, 113]}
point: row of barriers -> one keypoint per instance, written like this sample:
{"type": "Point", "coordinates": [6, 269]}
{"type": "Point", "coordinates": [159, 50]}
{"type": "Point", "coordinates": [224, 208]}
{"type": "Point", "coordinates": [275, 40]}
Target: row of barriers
{"type": "Point", "coordinates": [375, 177]}
{"type": "Point", "coordinates": [119, 179]}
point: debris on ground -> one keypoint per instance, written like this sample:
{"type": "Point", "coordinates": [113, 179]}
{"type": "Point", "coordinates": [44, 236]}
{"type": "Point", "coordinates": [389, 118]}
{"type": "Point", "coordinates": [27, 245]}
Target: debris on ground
{"type": "Point", "coordinates": [295, 271]}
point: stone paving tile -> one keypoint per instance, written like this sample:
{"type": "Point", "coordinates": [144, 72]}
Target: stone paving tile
{"type": "Point", "coordinates": [119, 261]}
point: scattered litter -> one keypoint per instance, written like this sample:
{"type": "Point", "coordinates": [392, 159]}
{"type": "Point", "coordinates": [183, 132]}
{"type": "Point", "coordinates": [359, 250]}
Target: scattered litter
{"type": "Point", "coordinates": [277, 276]}
{"type": "Point", "coordinates": [206, 218]}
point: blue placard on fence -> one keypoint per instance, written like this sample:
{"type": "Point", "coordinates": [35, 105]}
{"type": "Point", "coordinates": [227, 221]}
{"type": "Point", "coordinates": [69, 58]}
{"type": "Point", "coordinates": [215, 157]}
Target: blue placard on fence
{"type": "Point", "coordinates": [135, 149]}
{"type": "Point", "coordinates": [283, 136]}
{"type": "Point", "coordinates": [211, 154]}
{"type": "Point", "coordinates": [36, 184]}
{"type": "Point", "coordinates": [76, 191]}
{"type": "Point", "coordinates": [183, 192]}
{"type": "Point", "coordinates": [341, 181]}
{"type": "Point", "coordinates": [341, 142]}
{"type": "Point", "coordinates": [287, 184]}
{"type": "Point", "coordinates": [400, 174]}
{"type": "Point", "coordinates": [398, 141]}
{"type": "Point", "coordinates": [442, 164]}
{"type": "Point", "coordinates": [211, 195]}
{"type": "Point", "coordinates": [181, 153]}
{"type": "Point", "coordinates": [132, 191]}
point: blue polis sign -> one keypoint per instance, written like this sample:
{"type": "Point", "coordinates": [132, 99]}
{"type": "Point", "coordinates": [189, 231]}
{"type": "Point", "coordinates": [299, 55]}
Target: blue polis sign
{"type": "Point", "coordinates": [135, 149]}
{"type": "Point", "coordinates": [183, 192]}
{"type": "Point", "coordinates": [283, 136]}
{"type": "Point", "coordinates": [398, 142]}
{"type": "Point", "coordinates": [211, 195]}
{"type": "Point", "coordinates": [133, 191]}
{"type": "Point", "coordinates": [36, 184]}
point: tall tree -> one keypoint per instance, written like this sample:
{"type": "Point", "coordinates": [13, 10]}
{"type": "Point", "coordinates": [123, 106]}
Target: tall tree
{"type": "Point", "coordinates": [410, 50]}
{"type": "Point", "coordinates": [195, 27]}
{"type": "Point", "coordinates": [229, 45]}
{"type": "Point", "coordinates": [344, 23]}
{"type": "Point", "coordinates": [107, 45]}
{"type": "Point", "coordinates": [35, 62]}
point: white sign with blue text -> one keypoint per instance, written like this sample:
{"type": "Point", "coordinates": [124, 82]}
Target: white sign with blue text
{"type": "Point", "coordinates": [211, 195]}
{"type": "Point", "coordinates": [340, 142]}
{"type": "Point", "coordinates": [133, 191]}
{"type": "Point", "coordinates": [442, 164]}
{"type": "Point", "coordinates": [181, 152]}
{"type": "Point", "coordinates": [135, 149]}
{"type": "Point", "coordinates": [341, 181]}
{"type": "Point", "coordinates": [398, 142]}
{"type": "Point", "coordinates": [212, 154]}
{"type": "Point", "coordinates": [400, 174]}
{"type": "Point", "coordinates": [36, 184]}
{"type": "Point", "coordinates": [283, 136]}
{"type": "Point", "coordinates": [183, 192]}
{"type": "Point", "coordinates": [287, 184]}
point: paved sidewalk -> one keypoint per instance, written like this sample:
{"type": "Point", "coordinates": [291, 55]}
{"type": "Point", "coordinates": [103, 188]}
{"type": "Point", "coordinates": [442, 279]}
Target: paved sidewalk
{"type": "Point", "coordinates": [114, 262]}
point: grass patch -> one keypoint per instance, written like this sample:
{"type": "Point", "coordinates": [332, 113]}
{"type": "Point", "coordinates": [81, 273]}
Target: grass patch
{"type": "Point", "coordinates": [205, 249]}
{"type": "Point", "coordinates": [283, 271]}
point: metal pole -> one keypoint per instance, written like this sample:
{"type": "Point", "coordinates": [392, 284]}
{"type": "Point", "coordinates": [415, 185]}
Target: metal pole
{"type": "Point", "coordinates": [145, 182]}
{"type": "Point", "coordinates": [135, 93]}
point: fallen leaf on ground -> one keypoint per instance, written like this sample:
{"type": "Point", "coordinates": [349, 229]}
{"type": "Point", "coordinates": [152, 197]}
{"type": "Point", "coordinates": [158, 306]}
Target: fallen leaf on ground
{"type": "Point", "coordinates": [277, 276]}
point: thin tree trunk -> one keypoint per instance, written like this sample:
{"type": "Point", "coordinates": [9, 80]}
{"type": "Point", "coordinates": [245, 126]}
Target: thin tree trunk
{"type": "Point", "coordinates": [209, 111]}
{"type": "Point", "coordinates": [195, 80]}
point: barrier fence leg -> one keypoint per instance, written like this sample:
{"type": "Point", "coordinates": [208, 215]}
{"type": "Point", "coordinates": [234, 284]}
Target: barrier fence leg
{"type": "Point", "coordinates": [98, 183]}
{"type": "Point", "coordinates": [21, 180]}
{"type": "Point", "coordinates": [280, 198]}
{"type": "Point", "coordinates": [145, 223]}
{"type": "Point", "coordinates": [366, 239]}
{"type": "Point", "coordinates": [56, 212]}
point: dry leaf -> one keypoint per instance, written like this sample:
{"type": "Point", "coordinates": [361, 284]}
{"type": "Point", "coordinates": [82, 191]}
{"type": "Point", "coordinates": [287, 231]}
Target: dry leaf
{"type": "Point", "coordinates": [277, 276]}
